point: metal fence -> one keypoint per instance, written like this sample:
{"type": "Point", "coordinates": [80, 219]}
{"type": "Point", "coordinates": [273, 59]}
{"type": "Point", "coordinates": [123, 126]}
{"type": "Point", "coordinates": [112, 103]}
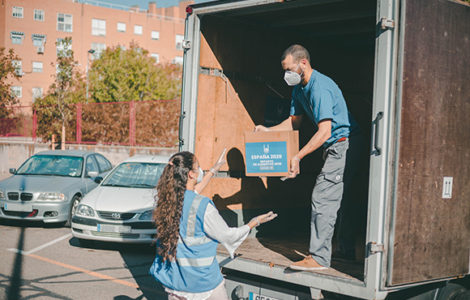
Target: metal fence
{"type": "Point", "coordinates": [134, 123]}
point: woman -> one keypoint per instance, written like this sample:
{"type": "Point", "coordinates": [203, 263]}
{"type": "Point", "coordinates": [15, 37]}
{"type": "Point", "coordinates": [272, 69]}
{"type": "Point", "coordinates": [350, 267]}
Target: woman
{"type": "Point", "coordinates": [189, 229]}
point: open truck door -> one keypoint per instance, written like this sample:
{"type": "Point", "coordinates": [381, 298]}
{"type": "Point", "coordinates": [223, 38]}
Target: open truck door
{"type": "Point", "coordinates": [430, 226]}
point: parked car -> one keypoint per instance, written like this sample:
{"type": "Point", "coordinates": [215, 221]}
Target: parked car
{"type": "Point", "coordinates": [120, 209]}
{"type": "Point", "coordinates": [49, 185]}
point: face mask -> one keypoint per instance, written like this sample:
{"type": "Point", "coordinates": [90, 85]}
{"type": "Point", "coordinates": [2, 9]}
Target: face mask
{"type": "Point", "coordinates": [292, 78]}
{"type": "Point", "coordinates": [200, 176]}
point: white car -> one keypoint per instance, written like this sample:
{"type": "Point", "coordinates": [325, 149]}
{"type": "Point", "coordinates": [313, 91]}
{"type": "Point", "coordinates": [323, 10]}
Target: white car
{"type": "Point", "coordinates": [120, 209]}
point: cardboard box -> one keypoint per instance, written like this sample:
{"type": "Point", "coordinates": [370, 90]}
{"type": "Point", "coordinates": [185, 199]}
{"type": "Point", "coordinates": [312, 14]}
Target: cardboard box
{"type": "Point", "coordinates": [268, 153]}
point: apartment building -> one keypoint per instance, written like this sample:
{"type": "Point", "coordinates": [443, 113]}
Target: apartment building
{"type": "Point", "coordinates": [32, 29]}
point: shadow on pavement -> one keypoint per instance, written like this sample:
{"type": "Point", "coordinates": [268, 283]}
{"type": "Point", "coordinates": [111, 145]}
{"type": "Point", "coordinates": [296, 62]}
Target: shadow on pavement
{"type": "Point", "coordinates": [137, 259]}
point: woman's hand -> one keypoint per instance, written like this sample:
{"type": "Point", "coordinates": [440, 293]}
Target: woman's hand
{"type": "Point", "coordinates": [261, 219]}
{"type": "Point", "coordinates": [219, 163]}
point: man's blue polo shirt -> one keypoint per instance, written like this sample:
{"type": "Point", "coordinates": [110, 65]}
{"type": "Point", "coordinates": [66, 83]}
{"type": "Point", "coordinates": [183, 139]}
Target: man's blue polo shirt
{"type": "Point", "coordinates": [322, 99]}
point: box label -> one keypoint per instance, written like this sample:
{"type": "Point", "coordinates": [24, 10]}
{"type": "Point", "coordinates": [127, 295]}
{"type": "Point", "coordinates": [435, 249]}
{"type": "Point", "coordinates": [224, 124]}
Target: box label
{"type": "Point", "coordinates": [266, 157]}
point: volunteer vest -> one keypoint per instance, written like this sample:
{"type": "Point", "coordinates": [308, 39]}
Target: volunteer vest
{"type": "Point", "coordinates": [195, 269]}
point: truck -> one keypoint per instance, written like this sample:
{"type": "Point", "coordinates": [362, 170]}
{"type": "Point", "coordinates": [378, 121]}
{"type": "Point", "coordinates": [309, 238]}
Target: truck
{"type": "Point", "coordinates": [404, 69]}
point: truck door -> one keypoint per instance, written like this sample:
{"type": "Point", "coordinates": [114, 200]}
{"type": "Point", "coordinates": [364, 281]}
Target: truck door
{"type": "Point", "coordinates": [430, 229]}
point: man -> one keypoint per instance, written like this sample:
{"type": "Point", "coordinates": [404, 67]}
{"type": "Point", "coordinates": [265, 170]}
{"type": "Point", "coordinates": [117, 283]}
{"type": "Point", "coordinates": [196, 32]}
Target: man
{"type": "Point", "coordinates": [318, 97]}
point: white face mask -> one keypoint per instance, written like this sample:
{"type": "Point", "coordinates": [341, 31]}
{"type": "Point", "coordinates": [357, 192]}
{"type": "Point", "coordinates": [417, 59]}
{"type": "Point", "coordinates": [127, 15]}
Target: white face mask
{"type": "Point", "coordinates": [200, 176]}
{"type": "Point", "coordinates": [292, 78]}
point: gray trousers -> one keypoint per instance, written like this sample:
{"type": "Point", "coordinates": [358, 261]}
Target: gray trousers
{"type": "Point", "coordinates": [327, 195]}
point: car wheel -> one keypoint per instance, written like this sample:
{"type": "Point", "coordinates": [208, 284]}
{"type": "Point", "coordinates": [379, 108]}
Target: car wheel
{"type": "Point", "coordinates": [450, 292]}
{"type": "Point", "coordinates": [75, 201]}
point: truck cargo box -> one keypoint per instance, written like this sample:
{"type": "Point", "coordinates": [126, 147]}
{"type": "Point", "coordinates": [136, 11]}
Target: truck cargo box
{"type": "Point", "coordinates": [403, 67]}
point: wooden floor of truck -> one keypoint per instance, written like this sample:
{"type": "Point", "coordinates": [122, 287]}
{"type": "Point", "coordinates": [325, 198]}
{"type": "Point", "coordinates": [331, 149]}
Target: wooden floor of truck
{"type": "Point", "coordinates": [281, 252]}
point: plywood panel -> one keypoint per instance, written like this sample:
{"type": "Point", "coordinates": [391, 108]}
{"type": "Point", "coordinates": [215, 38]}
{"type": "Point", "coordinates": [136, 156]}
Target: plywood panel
{"type": "Point", "coordinates": [432, 234]}
{"type": "Point", "coordinates": [257, 193]}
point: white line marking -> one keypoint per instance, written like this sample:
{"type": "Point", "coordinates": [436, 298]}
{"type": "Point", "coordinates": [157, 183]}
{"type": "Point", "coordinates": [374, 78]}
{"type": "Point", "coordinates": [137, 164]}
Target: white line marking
{"type": "Point", "coordinates": [42, 246]}
{"type": "Point", "coordinates": [15, 250]}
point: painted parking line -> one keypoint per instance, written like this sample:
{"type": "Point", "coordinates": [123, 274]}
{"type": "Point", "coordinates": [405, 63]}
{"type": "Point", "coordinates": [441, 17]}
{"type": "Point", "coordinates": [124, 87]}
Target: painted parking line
{"type": "Point", "coordinates": [72, 267]}
{"type": "Point", "coordinates": [82, 270]}
{"type": "Point", "coordinates": [42, 246]}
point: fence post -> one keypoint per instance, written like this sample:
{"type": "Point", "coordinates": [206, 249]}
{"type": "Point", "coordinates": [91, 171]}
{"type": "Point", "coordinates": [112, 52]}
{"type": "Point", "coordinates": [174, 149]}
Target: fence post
{"type": "Point", "coordinates": [35, 125]}
{"type": "Point", "coordinates": [78, 128]}
{"type": "Point", "coordinates": [132, 123]}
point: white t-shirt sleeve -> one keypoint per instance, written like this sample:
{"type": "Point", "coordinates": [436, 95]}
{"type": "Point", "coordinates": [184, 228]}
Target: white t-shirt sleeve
{"type": "Point", "coordinates": [216, 228]}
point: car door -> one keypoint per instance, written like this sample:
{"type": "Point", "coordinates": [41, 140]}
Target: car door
{"type": "Point", "coordinates": [103, 164]}
{"type": "Point", "coordinates": [91, 166]}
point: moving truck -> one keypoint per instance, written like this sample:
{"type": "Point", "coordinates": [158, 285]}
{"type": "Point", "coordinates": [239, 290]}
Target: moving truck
{"type": "Point", "coordinates": [404, 69]}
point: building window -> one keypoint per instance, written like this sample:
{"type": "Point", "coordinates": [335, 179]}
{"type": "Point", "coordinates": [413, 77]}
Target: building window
{"type": "Point", "coordinates": [17, 91]}
{"type": "Point", "coordinates": [179, 42]}
{"type": "Point", "coordinates": [156, 57]}
{"type": "Point", "coordinates": [37, 66]}
{"type": "Point", "coordinates": [178, 60]}
{"type": "Point", "coordinates": [155, 35]}
{"type": "Point", "coordinates": [121, 27]}
{"type": "Point", "coordinates": [37, 93]}
{"type": "Point", "coordinates": [98, 27]}
{"type": "Point", "coordinates": [138, 29]}
{"type": "Point", "coordinates": [39, 15]}
{"type": "Point", "coordinates": [38, 40]}
{"type": "Point", "coordinates": [17, 12]}
{"type": "Point", "coordinates": [60, 46]}
{"type": "Point", "coordinates": [64, 22]}
{"type": "Point", "coordinates": [18, 67]}
{"type": "Point", "coordinates": [16, 37]}
{"type": "Point", "coordinates": [99, 48]}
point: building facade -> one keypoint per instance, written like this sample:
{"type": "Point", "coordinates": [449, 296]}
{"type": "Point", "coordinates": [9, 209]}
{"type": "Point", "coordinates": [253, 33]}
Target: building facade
{"type": "Point", "coordinates": [32, 29]}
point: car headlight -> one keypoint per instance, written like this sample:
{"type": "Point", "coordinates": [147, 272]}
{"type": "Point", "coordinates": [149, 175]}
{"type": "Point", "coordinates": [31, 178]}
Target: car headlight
{"type": "Point", "coordinates": [84, 210]}
{"type": "Point", "coordinates": [147, 215]}
{"type": "Point", "coordinates": [51, 197]}
{"type": "Point", "coordinates": [2, 195]}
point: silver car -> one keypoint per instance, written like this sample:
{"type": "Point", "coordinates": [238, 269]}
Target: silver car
{"type": "Point", "coordinates": [49, 185]}
{"type": "Point", "coordinates": [120, 209]}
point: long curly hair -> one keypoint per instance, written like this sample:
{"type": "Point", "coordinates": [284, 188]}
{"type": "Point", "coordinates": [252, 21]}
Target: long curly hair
{"type": "Point", "coordinates": [170, 192]}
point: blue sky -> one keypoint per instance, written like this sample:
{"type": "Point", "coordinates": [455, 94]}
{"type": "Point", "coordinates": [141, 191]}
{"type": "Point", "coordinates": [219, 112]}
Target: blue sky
{"type": "Point", "coordinates": [144, 3]}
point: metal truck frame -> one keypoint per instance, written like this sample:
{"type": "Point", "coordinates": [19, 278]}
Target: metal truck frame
{"type": "Point", "coordinates": [387, 122]}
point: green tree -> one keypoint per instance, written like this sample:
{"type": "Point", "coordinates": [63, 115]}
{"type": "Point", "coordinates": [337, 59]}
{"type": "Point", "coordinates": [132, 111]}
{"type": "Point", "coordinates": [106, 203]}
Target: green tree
{"type": "Point", "coordinates": [127, 75]}
{"type": "Point", "coordinates": [7, 73]}
{"type": "Point", "coordinates": [55, 109]}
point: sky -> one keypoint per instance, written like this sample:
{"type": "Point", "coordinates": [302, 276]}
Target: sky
{"type": "Point", "coordinates": [144, 3]}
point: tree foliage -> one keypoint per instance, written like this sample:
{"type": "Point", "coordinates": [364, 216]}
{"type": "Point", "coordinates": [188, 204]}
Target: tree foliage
{"type": "Point", "coordinates": [131, 75]}
{"type": "Point", "coordinates": [55, 110]}
{"type": "Point", "coordinates": [7, 73]}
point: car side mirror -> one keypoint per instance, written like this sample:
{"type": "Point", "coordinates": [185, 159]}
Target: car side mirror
{"type": "Point", "coordinates": [92, 174]}
{"type": "Point", "coordinates": [12, 171]}
{"type": "Point", "coordinates": [98, 179]}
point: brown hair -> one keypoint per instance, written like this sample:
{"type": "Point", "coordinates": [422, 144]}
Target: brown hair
{"type": "Point", "coordinates": [170, 192]}
{"type": "Point", "coordinates": [298, 52]}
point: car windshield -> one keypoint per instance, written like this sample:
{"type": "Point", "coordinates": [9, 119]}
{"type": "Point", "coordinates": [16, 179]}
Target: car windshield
{"type": "Point", "coordinates": [135, 175]}
{"type": "Point", "coordinates": [52, 165]}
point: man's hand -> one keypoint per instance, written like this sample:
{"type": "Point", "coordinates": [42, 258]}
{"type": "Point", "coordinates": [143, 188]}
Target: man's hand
{"type": "Point", "coordinates": [261, 128]}
{"type": "Point", "coordinates": [294, 167]}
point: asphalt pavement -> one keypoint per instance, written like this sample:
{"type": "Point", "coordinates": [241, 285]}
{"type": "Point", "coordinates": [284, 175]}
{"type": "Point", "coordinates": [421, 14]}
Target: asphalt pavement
{"type": "Point", "coordinates": [45, 262]}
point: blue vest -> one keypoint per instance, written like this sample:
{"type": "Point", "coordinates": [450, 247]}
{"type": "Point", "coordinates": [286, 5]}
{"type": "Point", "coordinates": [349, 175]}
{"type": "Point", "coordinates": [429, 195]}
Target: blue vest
{"type": "Point", "coordinates": [196, 268]}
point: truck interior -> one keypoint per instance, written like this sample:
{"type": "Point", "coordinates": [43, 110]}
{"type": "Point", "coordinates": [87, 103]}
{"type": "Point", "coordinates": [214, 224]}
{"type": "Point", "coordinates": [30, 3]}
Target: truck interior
{"type": "Point", "coordinates": [240, 85]}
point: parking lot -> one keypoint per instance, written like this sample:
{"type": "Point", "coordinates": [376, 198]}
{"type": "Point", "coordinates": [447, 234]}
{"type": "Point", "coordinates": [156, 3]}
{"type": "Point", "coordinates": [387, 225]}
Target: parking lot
{"type": "Point", "coordinates": [45, 262]}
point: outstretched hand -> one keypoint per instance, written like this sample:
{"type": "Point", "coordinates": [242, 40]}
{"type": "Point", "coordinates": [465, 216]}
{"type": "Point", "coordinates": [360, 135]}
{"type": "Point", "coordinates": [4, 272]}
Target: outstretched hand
{"type": "Point", "coordinates": [262, 219]}
{"type": "Point", "coordinates": [220, 162]}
